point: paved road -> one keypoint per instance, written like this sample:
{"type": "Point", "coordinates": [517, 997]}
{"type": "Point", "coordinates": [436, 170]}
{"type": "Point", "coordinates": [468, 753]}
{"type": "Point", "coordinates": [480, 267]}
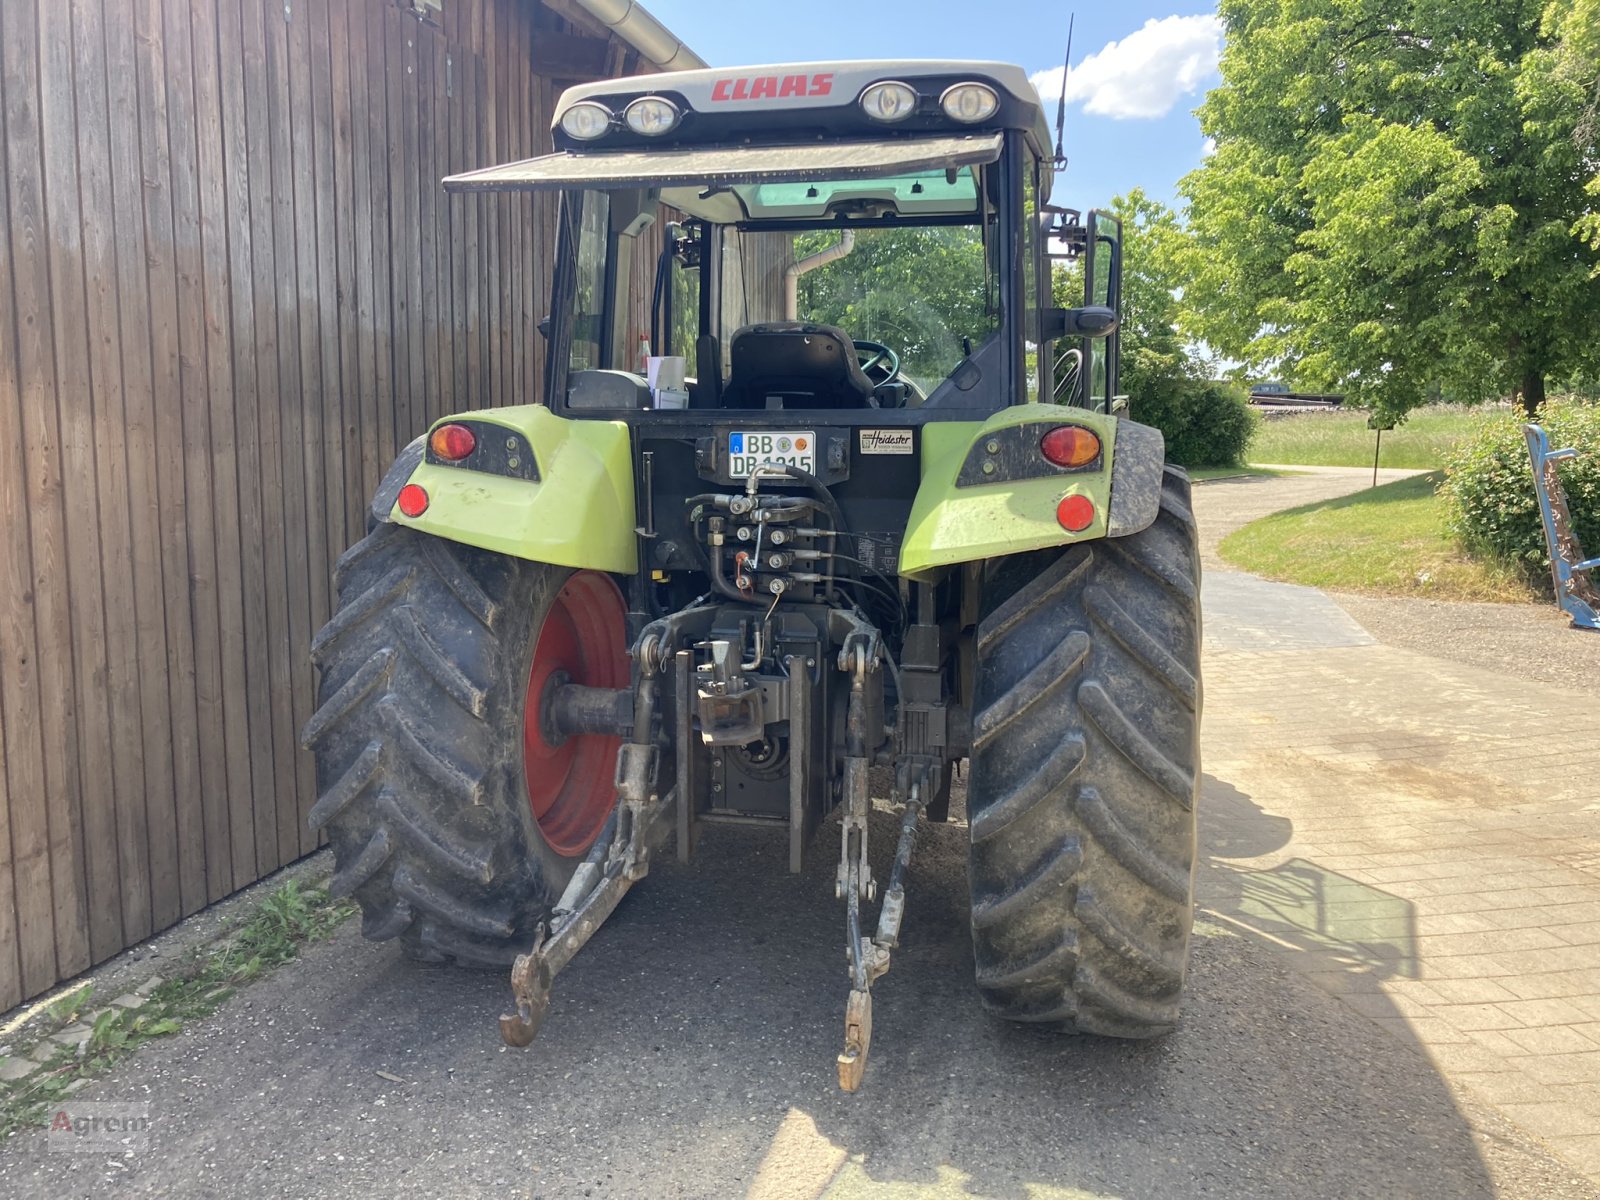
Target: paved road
{"type": "Point", "coordinates": [690, 1051]}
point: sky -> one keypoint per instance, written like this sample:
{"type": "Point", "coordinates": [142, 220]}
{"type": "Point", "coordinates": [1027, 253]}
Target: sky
{"type": "Point", "coordinates": [1139, 69]}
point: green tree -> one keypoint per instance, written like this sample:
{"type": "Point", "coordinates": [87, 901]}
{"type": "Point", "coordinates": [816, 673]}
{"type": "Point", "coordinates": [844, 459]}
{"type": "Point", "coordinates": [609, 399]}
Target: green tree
{"type": "Point", "coordinates": [919, 290]}
{"type": "Point", "coordinates": [1396, 198]}
{"type": "Point", "coordinates": [1204, 423]}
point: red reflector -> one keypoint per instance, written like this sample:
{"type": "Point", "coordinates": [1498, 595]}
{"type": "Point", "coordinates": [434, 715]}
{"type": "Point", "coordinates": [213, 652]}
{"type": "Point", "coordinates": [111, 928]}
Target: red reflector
{"type": "Point", "coordinates": [453, 442]}
{"type": "Point", "coordinates": [1076, 513]}
{"type": "Point", "coordinates": [1070, 446]}
{"type": "Point", "coordinates": [413, 500]}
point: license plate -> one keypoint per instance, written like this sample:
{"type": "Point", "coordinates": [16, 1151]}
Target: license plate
{"type": "Point", "coordinates": [747, 449]}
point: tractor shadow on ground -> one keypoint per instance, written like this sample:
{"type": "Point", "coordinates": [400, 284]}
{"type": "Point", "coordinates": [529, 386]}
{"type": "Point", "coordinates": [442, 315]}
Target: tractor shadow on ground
{"type": "Point", "coordinates": [1335, 924]}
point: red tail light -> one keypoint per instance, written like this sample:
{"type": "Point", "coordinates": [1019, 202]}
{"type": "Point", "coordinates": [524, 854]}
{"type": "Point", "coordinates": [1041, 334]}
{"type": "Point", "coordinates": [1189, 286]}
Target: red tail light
{"type": "Point", "coordinates": [413, 500]}
{"type": "Point", "coordinates": [453, 442]}
{"type": "Point", "coordinates": [1070, 446]}
{"type": "Point", "coordinates": [1076, 513]}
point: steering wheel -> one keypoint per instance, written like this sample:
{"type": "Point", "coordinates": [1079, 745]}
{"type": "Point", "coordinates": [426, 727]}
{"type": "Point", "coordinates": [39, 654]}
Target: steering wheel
{"type": "Point", "coordinates": [875, 356]}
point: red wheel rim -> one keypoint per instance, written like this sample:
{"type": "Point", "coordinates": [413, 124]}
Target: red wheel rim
{"type": "Point", "coordinates": [571, 786]}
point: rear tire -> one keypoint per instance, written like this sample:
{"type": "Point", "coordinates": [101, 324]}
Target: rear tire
{"type": "Point", "coordinates": [1085, 772]}
{"type": "Point", "coordinates": [419, 742]}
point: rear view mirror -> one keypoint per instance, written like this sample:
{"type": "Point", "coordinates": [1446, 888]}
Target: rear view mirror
{"type": "Point", "coordinates": [1094, 321]}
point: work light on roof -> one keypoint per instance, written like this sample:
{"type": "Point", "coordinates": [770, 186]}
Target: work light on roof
{"type": "Point", "coordinates": [969, 103]}
{"type": "Point", "coordinates": [889, 101]}
{"type": "Point", "coordinates": [586, 120]}
{"type": "Point", "coordinates": [652, 116]}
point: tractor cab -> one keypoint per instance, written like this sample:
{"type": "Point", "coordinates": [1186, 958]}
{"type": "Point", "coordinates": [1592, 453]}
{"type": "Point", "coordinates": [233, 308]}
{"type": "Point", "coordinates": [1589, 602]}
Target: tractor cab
{"type": "Point", "coordinates": [858, 239]}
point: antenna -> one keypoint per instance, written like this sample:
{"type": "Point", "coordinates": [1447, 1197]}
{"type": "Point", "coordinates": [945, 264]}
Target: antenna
{"type": "Point", "coordinates": [1061, 106]}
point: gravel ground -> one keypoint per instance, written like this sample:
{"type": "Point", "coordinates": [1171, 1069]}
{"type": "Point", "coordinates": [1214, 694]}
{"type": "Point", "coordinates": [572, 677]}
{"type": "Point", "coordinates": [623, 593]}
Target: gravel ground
{"type": "Point", "coordinates": [689, 1052]}
{"type": "Point", "coordinates": [1525, 641]}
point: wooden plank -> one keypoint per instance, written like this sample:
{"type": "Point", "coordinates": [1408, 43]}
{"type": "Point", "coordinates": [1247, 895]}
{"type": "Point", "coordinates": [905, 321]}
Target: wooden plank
{"type": "Point", "coordinates": [297, 351]}
{"type": "Point", "coordinates": [10, 965]}
{"type": "Point", "coordinates": [361, 457]}
{"type": "Point", "coordinates": [405, 240]}
{"type": "Point", "coordinates": [125, 785]}
{"type": "Point", "coordinates": [443, 83]}
{"type": "Point", "coordinates": [482, 240]}
{"type": "Point", "coordinates": [472, 207]}
{"type": "Point", "coordinates": [84, 798]}
{"type": "Point", "coordinates": [27, 955]}
{"type": "Point", "coordinates": [59, 942]}
{"type": "Point", "coordinates": [275, 358]}
{"type": "Point", "coordinates": [80, 347]}
{"type": "Point", "coordinates": [325, 413]}
{"type": "Point", "coordinates": [238, 75]}
{"type": "Point", "coordinates": [155, 820]}
{"type": "Point", "coordinates": [399, 245]}
{"type": "Point", "coordinates": [377, 192]}
{"type": "Point", "coordinates": [427, 235]}
{"type": "Point", "coordinates": [332, 425]}
{"type": "Point", "coordinates": [234, 799]}
{"type": "Point", "coordinates": [310, 405]}
{"type": "Point", "coordinates": [197, 524]}
{"type": "Point", "coordinates": [500, 88]}
{"type": "Point", "coordinates": [456, 208]}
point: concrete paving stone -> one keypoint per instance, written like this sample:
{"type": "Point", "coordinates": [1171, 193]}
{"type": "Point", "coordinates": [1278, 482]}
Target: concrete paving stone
{"type": "Point", "coordinates": [1515, 962]}
{"type": "Point", "coordinates": [1581, 1152]}
{"type": "Point", "coordinates": [1474, 1059]}
{"type": "Point", "coordinates": [1492, 941]}
{"type": "Point", "coordinates": [13, 1069]}
{"type": "Point", "coordinates": [1562, 1068]}
{"type": "Point", "coordinates": [1430, 1031]}
{"type": "Point", "coordinates": [1469, 1017]}
{"type": "Point", "coordinates": [1587, 934]}
{"type": "Point", "coordinates": [1554, 1011]}
{"type": "Point", "coordinates": [1504, 1087]}
{"type": "Point", "coordinates": [1572, 986]}
{"type": "Point", "coordinates": [1496, 1042]}
{"type": "Point", "coordinates": [1470, 991]}
{"type": "Point", "coordinates": [1553, 1039]}
{"type": "Point", "coordinates": [1554, 1119]}
{"type": "Point", "coordinates": [1432, 923]}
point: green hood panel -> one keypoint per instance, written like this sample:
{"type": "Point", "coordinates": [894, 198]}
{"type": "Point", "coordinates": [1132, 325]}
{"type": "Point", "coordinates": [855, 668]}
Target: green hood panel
{"type": "Point", "coordinates": [579, 514]}
{"type": "Point", "coordinates": [951, 524]}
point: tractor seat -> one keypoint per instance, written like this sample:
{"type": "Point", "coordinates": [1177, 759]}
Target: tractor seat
{"type": "Point", "coordinates": [795, 364]}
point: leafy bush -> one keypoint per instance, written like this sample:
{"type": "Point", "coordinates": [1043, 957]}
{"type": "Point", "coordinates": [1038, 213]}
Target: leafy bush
{"type": "Point", "coordinates": [1490, 503]}
{"type": "Point", "coordinates": [1206, 424]}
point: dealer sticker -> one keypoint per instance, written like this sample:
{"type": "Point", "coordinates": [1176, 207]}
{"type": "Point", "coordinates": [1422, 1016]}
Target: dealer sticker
{"type": "Point", "coordinates": [886, 441]}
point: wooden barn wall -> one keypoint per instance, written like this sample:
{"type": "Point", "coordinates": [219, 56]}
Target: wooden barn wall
{"type": "Point", "coordinates": [230, 290]}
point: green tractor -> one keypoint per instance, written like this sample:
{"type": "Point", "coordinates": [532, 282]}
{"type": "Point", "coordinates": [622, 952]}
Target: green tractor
{"type": "Point", "coordinates": [841, 489]}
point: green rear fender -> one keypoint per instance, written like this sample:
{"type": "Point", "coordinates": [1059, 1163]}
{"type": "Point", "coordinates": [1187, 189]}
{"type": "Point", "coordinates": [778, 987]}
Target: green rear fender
{"type": "Point", "coordinates": [957, 518]}
{"type": "Point", "coordinates": [579, 512]}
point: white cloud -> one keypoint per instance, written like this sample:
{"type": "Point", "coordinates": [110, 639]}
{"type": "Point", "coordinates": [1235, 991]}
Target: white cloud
{"type": "Point", "coordinates": [1143, 75]}
{"type": "Point", "coordinates": [1208, 147]}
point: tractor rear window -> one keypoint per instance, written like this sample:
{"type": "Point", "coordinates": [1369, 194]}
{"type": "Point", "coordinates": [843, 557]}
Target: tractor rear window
{"type": "Point", "coordinates": [899, 275]}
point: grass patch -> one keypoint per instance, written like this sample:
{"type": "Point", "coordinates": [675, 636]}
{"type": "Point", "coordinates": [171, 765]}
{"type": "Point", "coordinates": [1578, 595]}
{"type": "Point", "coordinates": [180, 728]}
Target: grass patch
{"type": "Point", "coordinates": [1385, 541]}
{"type": "Point", "coordinates": [271, 935]}
{"type": "Point", "coordinates": [1342, 439]}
